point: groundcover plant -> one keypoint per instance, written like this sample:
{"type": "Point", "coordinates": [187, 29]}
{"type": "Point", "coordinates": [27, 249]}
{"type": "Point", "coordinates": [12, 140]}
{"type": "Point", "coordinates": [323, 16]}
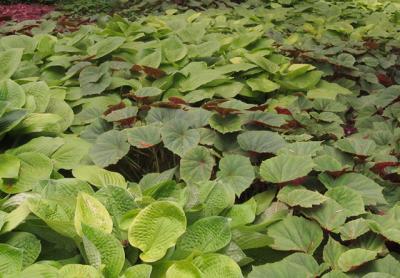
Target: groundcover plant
{"type": "Point", "coordinates": [258, 141]}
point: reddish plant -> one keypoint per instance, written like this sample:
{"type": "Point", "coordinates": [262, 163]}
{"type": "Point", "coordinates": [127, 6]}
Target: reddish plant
{"type": "Point", "coordinates": [21, 12]}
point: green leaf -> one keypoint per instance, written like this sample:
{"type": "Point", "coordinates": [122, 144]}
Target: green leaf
{"type": "Point", "coordinates": [226, 124]}
{"type": "Point", "coordinates": [138, 271]}
{"type": "Point", "coordinates": [297, 265]}
{"type": "Point", "coordinates": [13, 93]}
{"type": "Point", "coordinates": [354, 258]}
{"type": "Point", "coordinates": [353, 229]}
{"type": "Point", "coordinates": [285, 168]}
{"type": "Point", "coordinates": [183, 269]}
{"type": "Point", "coordinates": [91, 212]}
{"type": "Point", "coordinates": [109, 248]}
{"type": "Point", "coordinates": [10, 120]}
{"type": "Point", "coordinates": [262, 84]}
{"type": "Point", "coordinates": [196, 165]}
{"type": "Point", "coordinates": [332, 252]}
{"type": "Point", "coordinates": [173, 49]}
{"type": "Point", "coordinates": [10, 259]}
{"type": "Point", "coordinates": [144, 137]}
{"type": "Point", "coordinates": [105, 46]}
{"type": "Point", "coordinates": [39, 271]}
{"type": "Point", "coordinates": [206, 235]}
{"type": "Point", "coordinates": [302, 82]}
{"type": "Point", "coordinates": [19, 41]}
{"type": "Point", "coordinates": [10, 60]}
{"type": "Point", "coordinates": [178, 137]}
{"type": "Point", "coordinates": [98, 177]}
{"type": "Point", "coordinates": [370, 191]}
{"type": "Point", "coordinates": [217, 266]}
{"type": "Point", "coordinates": [78, 271]}
{"type": "Point", "coordinates": [242, 214]}
{"type": "Point", "coordinates": [330, 215]}
{"type": "Point", "coordinates": [69, 155]}
{"type": "Point", "coordinates": [357, 146]}
{"type": "Point", "coordinates": [348, 198]}
{"type": "Point", "coordinates": [326, 90]}
{"type": "Point", "coordinates": [34, 167]}
{"type": "Point", "coordinates": [146, 92]}
{"type": "Point", "coordinates": [157, 228]}
{"type": "Point", "coordinates": [294, 196]}
{"type": "Point", "coordinates": [94, 80]}
{"type": "Point", "coordinates": [28, 244]}
{"type": "Point", "coordinates": [261, 141]}
{"type": "Point", "coordinates": [237, 172]}
{"type": "Point", "coordinates": [295, 234]}
{"type": "Point", "coordinates": [9, 167]}
{"type": "Point", "coordinates": [109, 148]}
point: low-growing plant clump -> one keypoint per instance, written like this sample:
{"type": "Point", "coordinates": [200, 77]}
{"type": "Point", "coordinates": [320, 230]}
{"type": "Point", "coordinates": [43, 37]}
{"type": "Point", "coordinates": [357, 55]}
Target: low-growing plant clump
{"type": "Point", "coordinates": [256, 141]}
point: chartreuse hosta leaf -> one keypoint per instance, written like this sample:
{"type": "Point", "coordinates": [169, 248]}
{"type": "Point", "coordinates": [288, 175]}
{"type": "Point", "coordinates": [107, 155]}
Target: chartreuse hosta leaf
{"type": "Point", "coordinates": [218, 266]}
{"type": "Point", "coordinates": [295, 233]}
{"type": "Point", "coordinates": [9, 167]}
{"type": "Point", "coordinates": [98, 177]}
{"type": "Point", "coordinates": [285, 168]}
{"type": "Point", "coordinates": [138, 271]}
{"type": "Point", "coordinates": [206, 235]}
{"type": "Point", "coordinates": [103, 248]}
{"type": "Point", "coordinates": [91, 212]}
{"type": "Point", "coordinates": [242, 214]}
{"type": "Point", "coordinates": [79, 270]}
{"type": "Point", "coordinates": [183, 269]}
{"type": "Point", "coordinates": [157, 228]}
{"type": "Point", "coordinates": [40, 270]}
{"type": "Point", "coordinates": [105, 46]}
{"type": "Point", "coordinates": [34, 167]}
{"type": "Point", "coordinates": [13, 93]}
{"type": "Point", "coordinates": [10, 60]}
{"type": "Point", "coordinates": [27, 243]}
{"type": "Point", "coordinates": [237, 172]}
{"type": "Point", "coordinates": [10, 259]}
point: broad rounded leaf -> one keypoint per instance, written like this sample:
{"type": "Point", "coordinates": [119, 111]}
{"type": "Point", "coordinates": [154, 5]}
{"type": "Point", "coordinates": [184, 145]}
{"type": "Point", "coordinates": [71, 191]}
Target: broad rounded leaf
{"type": "Point", "coordinates": [285, 168]}
{"type": "Point", "coordinates": [354, 258]}
{"type": "Point", "coordinates": [144, 137]}
{"type": "Point", "coordinates": [178, 137]}
{"type": "Point", "coordinates": [348, 198]}
{"type": "Point", "coordinates": [357, 146]}
{"type": "Point", "coordinates": [261, 141]}
{"type": "Point", "coordinates": [109, 148]}
{"type": "Point", "coordinates": [196, 165]}
{"type": "Point", "coordinates": [237, 172]}
{"type": "Point", "coordinates": [157, 228]}
{"type": "Point", "coordinates": [296, 234]}
{"type": "Point", "coordinates": [138, 271]}
{"type": "Point", "coordinates": [105, 46]}
{"type": "Point", "coordinates": [294, 196]}
{"type": "Point", "coordinates": [226, 124]}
